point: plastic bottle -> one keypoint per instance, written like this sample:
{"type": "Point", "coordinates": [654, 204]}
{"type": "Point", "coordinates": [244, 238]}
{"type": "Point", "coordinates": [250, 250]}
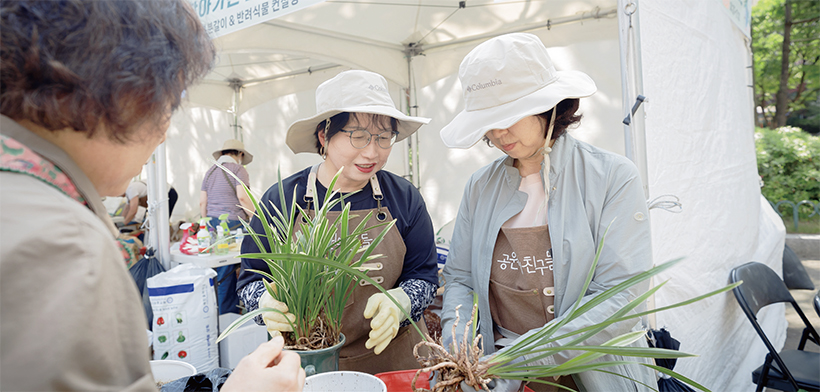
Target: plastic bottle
{"type": "Point", "coordinates": [188, 245]}
{"type": "Point", "coordinates": [203, 237]}
{"type": "Point", "coordinates": [223, 221]}
{"type": "Point", "coordinates": [239, 236]}
{"type": "Point", "coordinates": [221, 241]}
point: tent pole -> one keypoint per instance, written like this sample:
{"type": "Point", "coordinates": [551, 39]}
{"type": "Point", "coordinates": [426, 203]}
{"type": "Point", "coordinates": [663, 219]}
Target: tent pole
{"type": "Point", "coordinates": [413, 109]}
{"type": "Point", "coordinates": [158, 232]}
{"type": "Point", "coordinates": [596, 13]}
{"type": "Point", "coordinates": [163, 217]}
{"type": "Point", "coordinates": [236, 85]}
{"type": "Point", "coordinates": [413, 157]}
{"type": "Point", "coordinates": [632, 88]}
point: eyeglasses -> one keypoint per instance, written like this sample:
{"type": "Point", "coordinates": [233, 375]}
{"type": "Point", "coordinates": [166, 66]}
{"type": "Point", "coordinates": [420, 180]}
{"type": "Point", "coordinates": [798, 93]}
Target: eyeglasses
{"type": "Point", "coordinates": [360, 138]}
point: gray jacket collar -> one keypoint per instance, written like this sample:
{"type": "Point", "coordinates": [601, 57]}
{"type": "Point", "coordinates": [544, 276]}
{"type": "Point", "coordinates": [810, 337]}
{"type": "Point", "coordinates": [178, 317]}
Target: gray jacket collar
{"type": "Point", "coordinates": [60, 159]}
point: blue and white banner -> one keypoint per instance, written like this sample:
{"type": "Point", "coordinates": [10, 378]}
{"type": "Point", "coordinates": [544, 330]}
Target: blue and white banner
{"type": "Point", "coordinates": [222, 17]}
{"type": "Point", "coordinates": [740, 12]}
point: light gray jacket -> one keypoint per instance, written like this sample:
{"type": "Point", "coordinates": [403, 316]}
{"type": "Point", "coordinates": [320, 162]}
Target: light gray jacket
{"type": "Point", "coordinates": [590, 189]}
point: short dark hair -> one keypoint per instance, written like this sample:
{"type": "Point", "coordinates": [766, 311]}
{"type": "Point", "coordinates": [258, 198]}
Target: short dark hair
{"type": "Point", "coordinates": [231, 152]}
{"type": "Point", "coordinates": [80, 64]}
{"type": "Point", "coordinates": [565, 117]}
{"type": "Point", "coordinates": [338, 122]}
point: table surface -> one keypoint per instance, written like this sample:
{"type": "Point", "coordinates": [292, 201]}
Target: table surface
{"type": "Point", "coordinates": [209, 261]}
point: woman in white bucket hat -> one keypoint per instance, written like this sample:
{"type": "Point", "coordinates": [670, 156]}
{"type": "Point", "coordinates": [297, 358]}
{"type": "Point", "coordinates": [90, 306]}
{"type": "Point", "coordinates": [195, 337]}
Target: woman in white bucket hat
{"type": "Point", "coordinates": [528, 226]}
{"type": "Point", "coordinates": [355, 128]}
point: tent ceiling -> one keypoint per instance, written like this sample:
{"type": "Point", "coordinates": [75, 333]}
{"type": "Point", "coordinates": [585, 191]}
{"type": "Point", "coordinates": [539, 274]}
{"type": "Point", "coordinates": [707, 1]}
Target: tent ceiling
{"type": "Point", "coordinates": [354, 33]}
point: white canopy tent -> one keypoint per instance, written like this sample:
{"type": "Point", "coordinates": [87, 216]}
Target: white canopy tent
{"type": "Point", "coordinates": [688, 58]}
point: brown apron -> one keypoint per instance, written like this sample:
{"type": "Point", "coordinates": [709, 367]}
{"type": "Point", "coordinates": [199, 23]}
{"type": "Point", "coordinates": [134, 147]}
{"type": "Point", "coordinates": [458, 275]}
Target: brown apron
{"type": "Point", "coordinates": [385, 271]}
{"type": "Point", "coordinates": [522, 287]}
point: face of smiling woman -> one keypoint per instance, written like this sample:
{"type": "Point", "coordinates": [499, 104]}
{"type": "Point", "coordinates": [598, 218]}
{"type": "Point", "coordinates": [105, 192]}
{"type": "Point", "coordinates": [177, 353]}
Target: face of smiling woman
{"type": "Point", "coordinates": [359, 164]}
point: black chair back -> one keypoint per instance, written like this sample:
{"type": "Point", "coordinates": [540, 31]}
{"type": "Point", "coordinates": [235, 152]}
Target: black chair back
{"type": "Point", "coordinates": [762, 287]}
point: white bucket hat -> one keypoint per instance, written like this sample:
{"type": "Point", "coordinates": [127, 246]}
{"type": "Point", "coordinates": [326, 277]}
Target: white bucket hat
{"type": "Point", "coordinates": [352, 91]}
{"type": "Point", "coordinates": [505, 79]}
{"type": "Point", "coordinates": [233, 144]}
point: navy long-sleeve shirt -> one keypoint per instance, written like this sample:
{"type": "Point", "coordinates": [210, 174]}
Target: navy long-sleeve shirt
{"type": "Point", "coordinates": [419, 272]}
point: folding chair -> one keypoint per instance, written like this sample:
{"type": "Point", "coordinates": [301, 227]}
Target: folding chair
{"type": "Point", "coordinates": [817, 302]}
{"type": "Point", "coordinates": [787, 370]}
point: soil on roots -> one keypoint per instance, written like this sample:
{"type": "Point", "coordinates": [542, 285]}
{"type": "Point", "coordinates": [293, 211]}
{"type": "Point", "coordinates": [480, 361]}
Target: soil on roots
{"type": "Point", "coordinates": [321, 336]}
{"type": "Point", "coordinates": [461, 362]}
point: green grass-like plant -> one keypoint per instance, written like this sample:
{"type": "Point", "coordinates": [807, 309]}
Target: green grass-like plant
{"type": "Point", "coordinates": [314, 270]}
{"type": "Point", "coordinates": [464, 361]}
{"type": "Point", "coordinates": [313, 264]}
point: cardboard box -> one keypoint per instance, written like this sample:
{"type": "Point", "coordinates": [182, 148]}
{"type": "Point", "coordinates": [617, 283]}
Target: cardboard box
{"type": "Point", "coordinates": [241, 342]}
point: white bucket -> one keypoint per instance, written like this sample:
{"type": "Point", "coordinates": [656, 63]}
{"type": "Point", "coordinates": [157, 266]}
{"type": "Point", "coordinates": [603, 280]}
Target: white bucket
{"type": "Point", "coordinates": [344, 381]}
{"type": "Point", "coordinates": [168, 370]}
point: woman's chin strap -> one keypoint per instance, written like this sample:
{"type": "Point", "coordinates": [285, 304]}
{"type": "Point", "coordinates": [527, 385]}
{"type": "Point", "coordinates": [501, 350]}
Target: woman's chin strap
{"type": "Point", "coordinates": [545, 151]}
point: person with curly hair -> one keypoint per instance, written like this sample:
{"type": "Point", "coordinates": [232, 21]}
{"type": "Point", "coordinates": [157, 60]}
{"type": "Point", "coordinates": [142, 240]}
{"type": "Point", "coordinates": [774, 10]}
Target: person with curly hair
{"type": "Point", "coordinates": [87, 92]}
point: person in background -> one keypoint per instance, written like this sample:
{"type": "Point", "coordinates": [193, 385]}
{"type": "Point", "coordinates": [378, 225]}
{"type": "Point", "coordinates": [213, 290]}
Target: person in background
{"type": "Point", "coordinates": [87, 89]}
{"type": "Point", "coordinates": [529, 223]}
{"type": "Point", "coordinates": [355, 128]}
{"type": "Point", "coordinates": [136, 196]}
{"type": "Point", "coordinates": [221, 193]}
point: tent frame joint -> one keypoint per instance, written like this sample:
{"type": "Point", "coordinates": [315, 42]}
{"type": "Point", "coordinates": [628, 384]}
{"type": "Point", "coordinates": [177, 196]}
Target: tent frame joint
{"type": "Point", "coordinates": [413, 49]}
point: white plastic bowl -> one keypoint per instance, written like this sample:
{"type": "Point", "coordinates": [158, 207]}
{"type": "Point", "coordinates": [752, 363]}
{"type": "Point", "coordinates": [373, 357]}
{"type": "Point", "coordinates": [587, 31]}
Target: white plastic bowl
{"type": "Point", "coordinates": [168, 370]}
{"type": "Point", "coordinates": [344, 381]}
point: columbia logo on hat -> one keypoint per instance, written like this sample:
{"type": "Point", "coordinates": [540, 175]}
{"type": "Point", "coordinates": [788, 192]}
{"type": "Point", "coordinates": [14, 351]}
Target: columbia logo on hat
{"type": "Point", "coordinates": [479, 86]}
{"type": "Point", "coordinates": [377, 88]}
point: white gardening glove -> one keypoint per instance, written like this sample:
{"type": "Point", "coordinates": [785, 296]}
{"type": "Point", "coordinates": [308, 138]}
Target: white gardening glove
{"type": "Point", "coordinates": [388, 316]}
{"type": "Point", "coordinates": [275, 322]}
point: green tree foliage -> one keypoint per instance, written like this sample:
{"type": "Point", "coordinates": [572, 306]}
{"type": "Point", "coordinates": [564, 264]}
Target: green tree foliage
{"type": "Point", "coordinates": [788, 161]}
{"type": "Point", "coordinates": [799, 20]}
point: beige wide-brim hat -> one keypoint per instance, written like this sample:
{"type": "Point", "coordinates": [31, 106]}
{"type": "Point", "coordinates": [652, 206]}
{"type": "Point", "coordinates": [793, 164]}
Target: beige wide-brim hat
{"type": "Point", "coordinates": [505, 79]}
{"type": "Point", "coordinates": [233, 144]}
{"type": "Point", "coordinates": [352, 91]}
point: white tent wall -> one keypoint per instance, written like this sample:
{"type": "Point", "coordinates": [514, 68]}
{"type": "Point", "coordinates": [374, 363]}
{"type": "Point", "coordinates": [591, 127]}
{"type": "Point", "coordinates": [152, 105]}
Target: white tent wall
{"type": "Point", "coordinates": [700, 147]}
{"type": "Point", "coordinates": [194, 134]}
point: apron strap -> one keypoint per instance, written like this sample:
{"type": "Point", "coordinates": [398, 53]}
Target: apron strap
{"type": "Point", "coordinates": [310, 192]}
{"type": "Point", "coordinates": [377, 195]}
{"type": "Point", "coordinates": [508, 336]}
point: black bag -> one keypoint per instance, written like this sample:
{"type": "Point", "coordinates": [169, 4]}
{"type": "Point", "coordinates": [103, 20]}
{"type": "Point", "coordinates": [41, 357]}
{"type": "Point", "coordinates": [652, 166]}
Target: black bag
{"type": "Point", "coordinates": [210, 381]}
{"type": "Point", "coordinates": [143, 269]}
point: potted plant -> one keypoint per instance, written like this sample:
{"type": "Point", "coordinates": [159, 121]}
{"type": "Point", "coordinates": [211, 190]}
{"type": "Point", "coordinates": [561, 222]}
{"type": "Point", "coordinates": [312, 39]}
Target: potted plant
{"type": "Point", "coordinates": [465, 362]}
{"type": "Point", "coordinates": [313, 266]}
{"type": "Point", "coordinates": [314, 270]}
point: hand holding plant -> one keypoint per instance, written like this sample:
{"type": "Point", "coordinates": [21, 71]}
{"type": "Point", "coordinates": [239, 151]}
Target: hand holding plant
{"type": "Point", "coordinates": [276, 322]}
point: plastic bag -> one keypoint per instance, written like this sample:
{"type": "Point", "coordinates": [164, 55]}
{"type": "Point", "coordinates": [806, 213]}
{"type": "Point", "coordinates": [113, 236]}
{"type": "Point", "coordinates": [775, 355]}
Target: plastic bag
{"type": "Point", "coordinates": [210, 381]}
{"type": "Point", "coordinates": [146, 267]}
{"type": "Point", "coordinates": [185, 316]}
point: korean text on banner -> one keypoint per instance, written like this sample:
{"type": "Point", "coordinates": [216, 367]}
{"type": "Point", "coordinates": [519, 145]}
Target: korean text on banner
{"type": "Point", "coordinates": [740, 12]}
{"type": "Point", "coordinates": [221, 17]}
